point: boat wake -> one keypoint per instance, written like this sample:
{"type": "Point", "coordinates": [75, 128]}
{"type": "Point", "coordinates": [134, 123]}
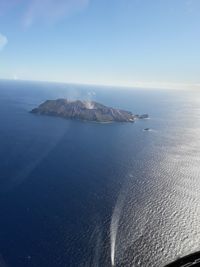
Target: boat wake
{"type": "Point", "coordinates": [115, 225]}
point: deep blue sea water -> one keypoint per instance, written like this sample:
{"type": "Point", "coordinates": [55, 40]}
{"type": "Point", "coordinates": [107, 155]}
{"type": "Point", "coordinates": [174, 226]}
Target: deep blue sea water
{"type": "Point", "coordinates": [84, 194]}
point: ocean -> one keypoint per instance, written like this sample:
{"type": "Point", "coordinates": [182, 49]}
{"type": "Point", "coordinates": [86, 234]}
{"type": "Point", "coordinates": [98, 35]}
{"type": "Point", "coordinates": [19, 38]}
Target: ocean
{"type": "Point", "coordinates": [89, 194]}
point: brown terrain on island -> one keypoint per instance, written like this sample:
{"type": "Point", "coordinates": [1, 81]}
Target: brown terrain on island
{"type": "Point", "coordinates": [85, 110]}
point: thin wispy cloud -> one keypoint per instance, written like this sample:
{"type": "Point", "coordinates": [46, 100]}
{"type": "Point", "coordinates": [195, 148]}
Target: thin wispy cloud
{"type": "Point", "coordinates": [49, 11]}
{"type": "Point", "coordinates": [3, 41]}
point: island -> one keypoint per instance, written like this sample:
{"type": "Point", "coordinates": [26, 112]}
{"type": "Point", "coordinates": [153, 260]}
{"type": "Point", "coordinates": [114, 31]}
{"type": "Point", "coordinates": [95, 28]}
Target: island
{"type": "Point", "coordinates": [84, 110]}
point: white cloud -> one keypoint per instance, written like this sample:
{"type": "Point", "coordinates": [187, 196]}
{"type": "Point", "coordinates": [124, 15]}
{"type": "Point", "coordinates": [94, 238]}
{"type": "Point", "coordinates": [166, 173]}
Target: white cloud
{"type": "Point", "coordinates": [52, 10]}
{"type": "Point", "coordinates": [3, 41]}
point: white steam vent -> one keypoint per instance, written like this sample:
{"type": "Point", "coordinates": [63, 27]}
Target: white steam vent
{"type": "Point", "coordinates": [89, 105]}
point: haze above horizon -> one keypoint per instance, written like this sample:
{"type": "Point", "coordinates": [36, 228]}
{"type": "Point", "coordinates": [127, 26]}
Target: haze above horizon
{"type": "Point", "coordinates": [138, 43]}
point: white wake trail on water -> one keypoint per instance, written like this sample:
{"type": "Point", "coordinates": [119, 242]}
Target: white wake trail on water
{"type": "Point", "coordinates": [115, 224]}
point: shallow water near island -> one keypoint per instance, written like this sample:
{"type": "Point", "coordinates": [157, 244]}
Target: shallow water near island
{"type": "Point", "coordinates": [86, 194]}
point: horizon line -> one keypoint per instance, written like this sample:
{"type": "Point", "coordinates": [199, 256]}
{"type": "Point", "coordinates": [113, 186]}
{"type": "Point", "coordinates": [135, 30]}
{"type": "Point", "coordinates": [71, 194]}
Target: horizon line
{"type": "Point", "coordinates": [137, 85]}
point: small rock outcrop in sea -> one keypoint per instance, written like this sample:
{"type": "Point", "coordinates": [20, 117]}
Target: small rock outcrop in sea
{"type": "Point", "coordinates": [83, 110]}
{"type": "Point", "coordinates": [143, 116]}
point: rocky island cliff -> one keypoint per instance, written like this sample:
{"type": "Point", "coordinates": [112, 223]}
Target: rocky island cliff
{"type": "Point", "coordinates": [83, 110]}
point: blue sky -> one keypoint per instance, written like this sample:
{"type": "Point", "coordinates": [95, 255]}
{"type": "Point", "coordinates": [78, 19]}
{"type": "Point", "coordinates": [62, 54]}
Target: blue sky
{"type": "Point", "coordinates": [142, 43]}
